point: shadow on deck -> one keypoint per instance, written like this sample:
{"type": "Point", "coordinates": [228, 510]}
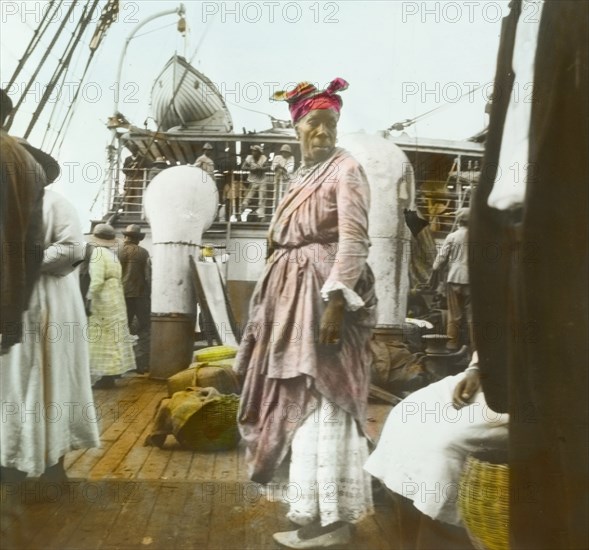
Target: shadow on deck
{"type": "Point", "coordinates": [127, 496]}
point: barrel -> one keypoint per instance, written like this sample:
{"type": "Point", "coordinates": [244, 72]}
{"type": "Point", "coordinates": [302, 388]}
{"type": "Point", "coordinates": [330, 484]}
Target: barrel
{"type": "Point", "coordinates": [172, 344]}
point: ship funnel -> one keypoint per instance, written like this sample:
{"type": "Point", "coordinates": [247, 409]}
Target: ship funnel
{"type": "Point", "coordinates": [180, 204]}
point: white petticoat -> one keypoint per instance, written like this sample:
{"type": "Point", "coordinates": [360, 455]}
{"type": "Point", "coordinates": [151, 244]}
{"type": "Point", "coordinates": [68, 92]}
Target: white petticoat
{"type": "Point", "coordinates": [327, 480]}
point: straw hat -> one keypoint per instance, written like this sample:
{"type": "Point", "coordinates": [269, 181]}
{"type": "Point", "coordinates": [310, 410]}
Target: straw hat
{"type": "Point", "coordinates": [134, 230]}
{"type": "Point", "coordinates": [103, 235]}
{"type": "Point", "coordinates": [286, 148]}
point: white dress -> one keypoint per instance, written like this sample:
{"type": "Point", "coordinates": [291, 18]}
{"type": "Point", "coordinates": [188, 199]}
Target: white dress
{"type": "Point", "coordinates": [425, 442]}
{"type": "Point", "coordinates": [47, 404]}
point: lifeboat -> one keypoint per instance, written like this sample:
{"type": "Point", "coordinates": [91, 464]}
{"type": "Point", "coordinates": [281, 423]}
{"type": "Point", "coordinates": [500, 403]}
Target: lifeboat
{"type": "Point", "coordinates": [183, 98]}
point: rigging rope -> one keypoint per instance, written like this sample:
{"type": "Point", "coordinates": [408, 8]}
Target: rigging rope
{"type": "Point", "coordinates": [69, 52]}
{"type": "Point", "coordinates": [35, 39]}
{"type": "Point", "coordinates": [109, 13]}
{"type": "Point", "coordinates": [410, 121]}
{"type": "Point", "coordinates": [248, 109]}
{"type": "Point", "coordinates": [59, 106]}
{"type": "Point", "coordinates": [157, 29]}
{"type": "Point", "coordinates": [69, 115]}
{"type": "Point", "coordinates": [10, 119]}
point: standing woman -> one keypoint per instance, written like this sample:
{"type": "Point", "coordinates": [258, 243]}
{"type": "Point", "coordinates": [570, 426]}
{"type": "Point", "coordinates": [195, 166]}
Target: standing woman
{"type": "Point", "coordinates": [305, 355]}
{"type": "Point", "coordinates": [111, 345]}
{"type": "Point", "coordinates": [45, 392]}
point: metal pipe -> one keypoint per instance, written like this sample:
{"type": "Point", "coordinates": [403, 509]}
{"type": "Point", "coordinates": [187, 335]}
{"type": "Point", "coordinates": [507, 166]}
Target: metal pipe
{"type": "Point", "coordinates": [180, 10]}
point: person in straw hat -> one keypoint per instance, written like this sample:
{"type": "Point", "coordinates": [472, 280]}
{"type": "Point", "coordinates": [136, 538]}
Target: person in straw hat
{"type": "Point", "coordinates": [305, 355]}
{"type": "Point", "coordinates": [256, 163]}
{"type": "Point", "coordinates": [136, 268]}
{"type": "Point", "coordinates": [111, 350]}
{"type": "Point", "coordinates": [283, 166]}
{"type": "Point", "coordinates": [205, 161]}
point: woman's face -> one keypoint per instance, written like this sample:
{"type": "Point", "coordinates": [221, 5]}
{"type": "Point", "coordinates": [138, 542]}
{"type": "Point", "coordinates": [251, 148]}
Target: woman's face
{"type": "Point", "coordinates": [317, 132]}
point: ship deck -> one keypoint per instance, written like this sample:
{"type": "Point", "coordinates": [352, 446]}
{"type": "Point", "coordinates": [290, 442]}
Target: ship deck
{"type": "Point", "coordinates": [125, 495]}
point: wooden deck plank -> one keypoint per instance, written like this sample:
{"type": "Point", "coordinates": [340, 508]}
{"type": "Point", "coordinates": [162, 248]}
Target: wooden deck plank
{"type": "Point", "coordinates": [128, 530]}
{"type": "Point", "coordinates": [195, 519]}
{"type": "Point", "coordinates": [97, 510]}
{"type": "Point", "coordinates": [202, 466]}
{"type": "Point", "coordinates": [129, 410]}
{"type": "Point", "coordinates": [106, 403]}
{"type": "Point", "coordinates": [134, 460]}
{"type": "Point", "coordinates": [166, 520]}
{"type": "Point", "coordinates": [155, 464]}
{"type": "Point", "coordinates": [225, 467]}
{"type": "Point", "coordinates": [21, 508]}
{"type": "Point", "coordinates": [113, 407]}
{"type": "Point", "coordinates": [262, 519]}
{"type": "Point", "coordinates": [165, 498]}
{"type": "Point", "coordinates": [241, 462]}
{"type": "Point", "coordinates": [179, 463]}
{"type": "Point", "coordinates": [125, 432]}
{"type": "Point", "coordinates": [82, 467]}
{"type": "Point", "coordinates": [68, 515]}
{"type": "Point", "coordinates": [226, 529]}
{"type": "Point", "coordinates": [63, 519]}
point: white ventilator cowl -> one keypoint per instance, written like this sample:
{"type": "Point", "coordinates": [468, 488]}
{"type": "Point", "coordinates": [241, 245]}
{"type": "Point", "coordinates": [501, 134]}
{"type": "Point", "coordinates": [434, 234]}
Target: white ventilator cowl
{"type": "Point", "coordinates": [180, 205]}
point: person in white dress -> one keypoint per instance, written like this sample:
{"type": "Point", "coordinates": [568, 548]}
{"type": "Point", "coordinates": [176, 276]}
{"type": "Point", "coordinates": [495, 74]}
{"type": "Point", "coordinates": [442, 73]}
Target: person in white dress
{"type": "Point", "coordinates": [47, 402]}
{"type": "Point", "coordinates": [424, 445]}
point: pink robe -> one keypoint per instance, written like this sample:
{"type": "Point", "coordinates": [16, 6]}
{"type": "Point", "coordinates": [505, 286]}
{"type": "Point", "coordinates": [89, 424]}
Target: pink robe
{"type": "Point", "coordinates": [318, 241]}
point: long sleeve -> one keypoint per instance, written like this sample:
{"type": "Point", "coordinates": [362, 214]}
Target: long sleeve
{"type": "Point", "coordinates": [247, 163]}
{"type": "Point", "coordinates": [444, 253]}
{"type": "Point", "coordinates": [66, 248]}
{"type": "Point", "coordinates": [97, 270]}
{"type": "Point", "coordinates": [353, 205]}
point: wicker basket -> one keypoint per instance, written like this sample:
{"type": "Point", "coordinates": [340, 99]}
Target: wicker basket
{"type": "Point", "coordinates": [484, 503]}
{"type": "Point", "coordinates": [213, 427]}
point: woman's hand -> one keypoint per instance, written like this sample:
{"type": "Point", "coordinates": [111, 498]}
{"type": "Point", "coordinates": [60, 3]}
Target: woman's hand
{"type": "Point", "coordinates": [466, 389]}
{"type": "Point", "coordinates": [332, 319]}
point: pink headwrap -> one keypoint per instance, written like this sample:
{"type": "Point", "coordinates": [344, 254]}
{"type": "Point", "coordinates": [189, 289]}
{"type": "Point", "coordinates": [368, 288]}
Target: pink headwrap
{"type": "Point", "coordinates": [306, 97]}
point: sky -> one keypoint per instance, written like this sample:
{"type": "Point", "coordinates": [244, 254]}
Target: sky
{"type": "Point", "coordinates": [401, 59]}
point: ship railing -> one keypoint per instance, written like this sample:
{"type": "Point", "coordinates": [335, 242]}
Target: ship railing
{"type": "Point", "coordinates": [242, 200]}
{"type": "Point", "coordinates": [440, 206]}
{"type": "Point", "coordinates": [234, 191]}
{"type": "Point", "coordinates": [127, 197]}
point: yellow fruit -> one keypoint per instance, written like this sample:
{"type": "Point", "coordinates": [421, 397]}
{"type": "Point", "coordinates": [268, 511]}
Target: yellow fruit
{"type": "Point", "coordinates": [214, 353]}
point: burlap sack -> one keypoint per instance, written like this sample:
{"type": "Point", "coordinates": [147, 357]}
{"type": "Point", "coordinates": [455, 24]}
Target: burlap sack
{"type": "Point", "coordinates": [216, 374]}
